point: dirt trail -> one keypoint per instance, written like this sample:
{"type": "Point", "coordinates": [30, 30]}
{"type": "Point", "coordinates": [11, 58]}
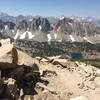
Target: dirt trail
{"type": "Point", "coordinates": [67, 82]}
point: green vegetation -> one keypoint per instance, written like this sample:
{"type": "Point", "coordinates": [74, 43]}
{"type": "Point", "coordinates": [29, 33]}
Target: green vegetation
{"type": "Point", "coordinates": [93, 62]}
{"type": "Point", "coordinates": [84, 52]}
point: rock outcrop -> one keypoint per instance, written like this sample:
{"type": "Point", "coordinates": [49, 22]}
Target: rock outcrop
{"type": "Point", "coordinates": [16, 75]}
{"type": "Point", "coordinates": [24, 77]}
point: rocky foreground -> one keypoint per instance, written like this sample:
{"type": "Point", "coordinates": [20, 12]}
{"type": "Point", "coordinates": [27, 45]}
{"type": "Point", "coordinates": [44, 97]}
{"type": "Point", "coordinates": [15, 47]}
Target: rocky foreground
{"type": "Point", "coordinates": [51, 78]}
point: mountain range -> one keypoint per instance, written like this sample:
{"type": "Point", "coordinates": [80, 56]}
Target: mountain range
{"type": "Point", "coordinates": [38, 28]}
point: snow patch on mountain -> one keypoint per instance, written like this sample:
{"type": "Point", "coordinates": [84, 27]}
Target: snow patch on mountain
{"type": "Point", "coordinates": [55, 35]}
{"type": "Point", "coordinates": [31, 35]}
{"type": "Point", "coordinates": [72, 38]}
{"type": "Point", "coordinates": [6, 27]}
{"type": "Point", "coordinates": [40, 27]}
{"type": "Point", "coordinates": [88, 40]}
{"type": "Point", "coordinates": [17, 35]}
{"type": "Point", "coordinates": [70, 23]}
{"type": "Point", "coordinates": [23, 36]}
{"type": "Point", "coordinates": [49, 37]}
{"type": "Point", "coordinates": [13, 31]}
{"type": "Point", "coordinates": [61, 18]}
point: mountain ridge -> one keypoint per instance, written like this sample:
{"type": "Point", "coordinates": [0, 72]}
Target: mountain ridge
{"type": "Point", "coordinates": [37, 28]}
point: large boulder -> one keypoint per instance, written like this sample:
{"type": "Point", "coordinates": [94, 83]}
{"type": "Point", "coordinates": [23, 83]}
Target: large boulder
{"type": "Point", "coordinates": [10, 55]}
{"type": "Point", "coordinates": [5, 51]}
{"type": "Point", "coordinates": [18, 72]}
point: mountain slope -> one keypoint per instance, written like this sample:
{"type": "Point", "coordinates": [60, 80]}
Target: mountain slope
{"type": "Point", "coordinates": [50, 29]}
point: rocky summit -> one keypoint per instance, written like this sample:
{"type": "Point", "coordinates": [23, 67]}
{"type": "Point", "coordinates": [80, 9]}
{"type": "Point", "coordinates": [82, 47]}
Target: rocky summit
{"type": "Point", "coordinates": [41, 29]}
{"type": "Point", "coordinates": [45, 78]}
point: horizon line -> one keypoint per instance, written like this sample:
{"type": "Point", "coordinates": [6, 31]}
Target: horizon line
{"type": "Point", "coordinates": [33, 15]}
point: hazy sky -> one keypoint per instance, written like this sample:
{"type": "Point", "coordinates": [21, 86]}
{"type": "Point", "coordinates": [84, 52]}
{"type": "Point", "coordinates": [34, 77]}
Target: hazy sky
{"type": "Point", "coordinates": [51, 7]}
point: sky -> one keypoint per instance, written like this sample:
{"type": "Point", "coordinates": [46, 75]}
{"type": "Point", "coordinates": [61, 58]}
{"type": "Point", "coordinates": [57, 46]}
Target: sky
{"type": "Point", "coordinates": [51, 7]}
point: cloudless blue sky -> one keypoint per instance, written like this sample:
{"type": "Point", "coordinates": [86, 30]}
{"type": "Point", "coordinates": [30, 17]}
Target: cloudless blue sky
{"type": "Point", "coordinates": [51, 7]}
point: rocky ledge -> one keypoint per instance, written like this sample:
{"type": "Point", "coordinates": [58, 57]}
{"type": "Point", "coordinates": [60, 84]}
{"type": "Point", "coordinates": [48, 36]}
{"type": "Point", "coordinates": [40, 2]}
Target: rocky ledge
{"type": "Point", "coordinates": [49, 78]}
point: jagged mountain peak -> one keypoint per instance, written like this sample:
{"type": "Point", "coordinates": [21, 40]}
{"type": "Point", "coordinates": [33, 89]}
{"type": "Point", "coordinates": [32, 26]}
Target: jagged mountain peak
{"type": "Point", "coordinates": [74, 29]}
